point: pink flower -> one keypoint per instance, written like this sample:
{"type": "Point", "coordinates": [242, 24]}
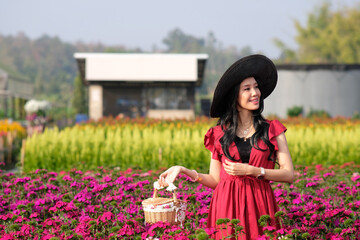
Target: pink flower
{"type": "Point", "coordinates": [70, 206]}
{"type": "Point", "coordinates": [26, 229]}
{"type": "Point", "coordinates": [53, 209]}
{"type": "Point", "coordinates": [67, 178]}
{"type": "Point", "coordinates": [319, 168]}
{"type": "Point", "coordinates": [7, 191]}
{"type": "Point", "coordinates": [47, 236]}
{"type": "Point", "coordinates": [7, 237]}
{"type": "Point", "coordinates": [53, 174]}
{"type": "Point", "coordinates": [355, 177]}
{"type": "Point", "coordinates": [297, 201]}
{"type": "Point", "coordinates": [40, 201]}
{"type": "Point", "coordinates": [281, 231]}
{"type": "Point", "coordinates": [34, 215]}
{"type": "Point", "coordinates": [18, 220]}
{"type": "Point", "coordinates": [107, 179]}
{"type": "Point", "coordinates": [6, 217]}
{"type": "Point", "coordinates": [325, 175]}
{"type": "Point", "coordinates": [269, 228]}
{"type": "Point", "coordinates": [126, 230]}
{"type": "Point", "coordinates": [106, 216]}
{"type": "Point", "coordinates": [262, 237]}
{"type": "Point", "coordinates": [145, 174]}
{"type": "Point", "coordinates": [60, 204]}
{"type": "Point", "coordinates": [22, 180]}
{"type": "Point", "coordinates": [49, 222]}
{"type": "Point", "coordinates": [311, 184]}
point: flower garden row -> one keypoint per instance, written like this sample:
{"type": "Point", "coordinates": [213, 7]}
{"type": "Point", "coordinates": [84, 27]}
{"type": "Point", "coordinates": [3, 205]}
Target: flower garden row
{"type": "Point", "coordinates": [11, 135]}
{"type": "Point", "coordinates": [151, 144]}
{"type": "Point", "coordinates": [323, 203]}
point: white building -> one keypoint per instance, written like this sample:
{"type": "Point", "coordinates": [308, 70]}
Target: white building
{"type": "Point", "coordinates": [334, 88]}
{"type": "Point", "coordinates": [150, 85]}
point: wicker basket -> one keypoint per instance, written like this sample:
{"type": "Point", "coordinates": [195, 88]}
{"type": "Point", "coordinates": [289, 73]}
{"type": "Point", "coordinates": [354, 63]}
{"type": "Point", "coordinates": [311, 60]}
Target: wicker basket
{"type": "Point", "coordinates": [158, 209]}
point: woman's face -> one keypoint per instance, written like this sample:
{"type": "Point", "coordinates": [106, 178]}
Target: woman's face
{"type": "Point", "coordinates": [249, 95]}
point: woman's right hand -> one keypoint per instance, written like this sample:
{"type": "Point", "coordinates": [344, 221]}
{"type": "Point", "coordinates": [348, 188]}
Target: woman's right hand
{"type": "Point", "coordinates": [170, 175]}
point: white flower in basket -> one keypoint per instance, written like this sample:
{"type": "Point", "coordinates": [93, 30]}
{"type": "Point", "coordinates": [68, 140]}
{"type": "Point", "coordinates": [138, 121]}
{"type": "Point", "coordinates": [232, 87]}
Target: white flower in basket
{"type": "Point", "coordinates": [158, 209]}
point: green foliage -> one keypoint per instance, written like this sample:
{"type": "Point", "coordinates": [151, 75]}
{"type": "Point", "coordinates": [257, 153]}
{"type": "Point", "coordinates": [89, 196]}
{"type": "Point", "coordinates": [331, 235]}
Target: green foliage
{"type": "Point", "coordinates": [178, 42]}
{"type": "Point", "coordinates": [48, 62]}
{"type": "Point", "coordinates": [264, 220]}
{"type": "Point", "coordinates": [2, 113]}
{"type": "Point", "coordinates": [295, 111]}
{"type": "Point", "coordinates": [115, 229]}
{"type": "Point", "coordinates": [80, 98]}
{"type": "Point", "coordinates": [356, 115]}
{"type": "Point", "coordinates": [220, 57]}
{"type": "Point", "coordinates": [328, 37]}
{"type": "Point", "coordinates": [318, 113]}
{"type": "Point", "coordinates": [287, 55]}
{"type": "Point", "coordinates": [14, 227]}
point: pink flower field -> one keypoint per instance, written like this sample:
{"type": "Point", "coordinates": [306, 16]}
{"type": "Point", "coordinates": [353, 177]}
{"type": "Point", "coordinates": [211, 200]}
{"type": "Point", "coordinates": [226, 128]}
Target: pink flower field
{"type": "Point", "coordinates": [323, 203]}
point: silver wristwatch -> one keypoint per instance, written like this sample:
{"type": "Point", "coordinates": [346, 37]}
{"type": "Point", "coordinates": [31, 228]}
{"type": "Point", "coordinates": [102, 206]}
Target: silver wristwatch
{"type": "Point", "coordinates": [262, 173]}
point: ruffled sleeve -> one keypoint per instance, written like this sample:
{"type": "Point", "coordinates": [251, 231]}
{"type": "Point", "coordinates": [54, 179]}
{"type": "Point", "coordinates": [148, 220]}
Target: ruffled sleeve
{"type": "Point", "coordinates": [275, 129]}
{"type": "Point", "coordinates": [210, 143]}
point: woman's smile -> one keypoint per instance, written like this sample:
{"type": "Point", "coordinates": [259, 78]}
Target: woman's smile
{"type": "Point", "coordinates": [254, 101]}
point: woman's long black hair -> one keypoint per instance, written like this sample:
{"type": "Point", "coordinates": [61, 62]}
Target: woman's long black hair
{"type": "Point", "coordinates": [229, 123]}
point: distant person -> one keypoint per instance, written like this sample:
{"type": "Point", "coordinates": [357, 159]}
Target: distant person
{"type": "Point", "coordinates": [244, 149]}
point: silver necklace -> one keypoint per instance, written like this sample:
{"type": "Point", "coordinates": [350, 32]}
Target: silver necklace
{"type": "Point", "coordinates": [245, 132]}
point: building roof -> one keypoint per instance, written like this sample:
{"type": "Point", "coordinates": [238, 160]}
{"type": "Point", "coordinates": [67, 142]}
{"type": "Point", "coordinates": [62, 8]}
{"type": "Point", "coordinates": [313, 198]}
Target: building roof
{"type": "Point", "coordinates": [141, 67]}
{"type": "Point", "coordinates": [14, 86]}
{"type": "Point", "coordinates": [311, 67]}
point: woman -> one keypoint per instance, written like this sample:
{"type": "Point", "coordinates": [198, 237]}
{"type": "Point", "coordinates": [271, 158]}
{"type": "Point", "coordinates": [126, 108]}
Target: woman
{"type": "Point", "coordinates": [244, 148]}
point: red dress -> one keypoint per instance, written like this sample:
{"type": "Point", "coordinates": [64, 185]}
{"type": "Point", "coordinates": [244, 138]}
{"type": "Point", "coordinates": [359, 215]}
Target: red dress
{"type": "Point", "coordinates": [242, 197]}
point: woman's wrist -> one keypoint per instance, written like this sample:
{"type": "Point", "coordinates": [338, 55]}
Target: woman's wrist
{"type": "Point", "coordinates": [182, 169]}
{"type": "Point", "coordinates": [250, 170]}
{"type": "Point", "coordinates": [193, 175]}
{"type": "Point", "coordinates": [253, 171]}
{"type": "Point", "coordinates": [197, 177]}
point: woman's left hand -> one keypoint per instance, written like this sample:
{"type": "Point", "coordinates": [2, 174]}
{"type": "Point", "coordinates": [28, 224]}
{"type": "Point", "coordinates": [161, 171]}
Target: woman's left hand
{"type": "Point", "coordinates": [233, 168]}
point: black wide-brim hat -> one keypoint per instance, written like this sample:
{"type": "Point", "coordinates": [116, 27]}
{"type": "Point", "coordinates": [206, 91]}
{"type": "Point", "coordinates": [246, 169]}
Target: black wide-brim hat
{"type": "Point", "coordinates": [257, 66]}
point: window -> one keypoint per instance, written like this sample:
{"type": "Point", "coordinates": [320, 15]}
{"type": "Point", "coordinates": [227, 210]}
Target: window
{"type": "Point", "coordinates": [167, 98]}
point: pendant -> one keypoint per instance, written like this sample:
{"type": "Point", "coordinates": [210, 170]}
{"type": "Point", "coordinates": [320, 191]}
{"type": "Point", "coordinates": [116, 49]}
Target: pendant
{"type": "Point", "coordinates": [246, 131]}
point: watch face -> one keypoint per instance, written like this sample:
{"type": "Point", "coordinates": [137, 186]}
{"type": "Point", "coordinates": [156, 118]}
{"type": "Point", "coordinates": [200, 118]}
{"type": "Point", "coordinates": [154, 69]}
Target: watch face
{"type": "Point", "coordinates": [262, 174]}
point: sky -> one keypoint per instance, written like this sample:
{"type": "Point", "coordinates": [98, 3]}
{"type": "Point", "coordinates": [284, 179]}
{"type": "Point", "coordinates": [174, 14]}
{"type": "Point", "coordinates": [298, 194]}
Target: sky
{"type": "Point", "coordinates": [144, 23]}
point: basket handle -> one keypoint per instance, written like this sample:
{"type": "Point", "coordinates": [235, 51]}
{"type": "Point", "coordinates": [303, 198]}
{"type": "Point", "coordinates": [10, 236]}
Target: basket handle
{"type": "Point", "coordinates": [172, 188]}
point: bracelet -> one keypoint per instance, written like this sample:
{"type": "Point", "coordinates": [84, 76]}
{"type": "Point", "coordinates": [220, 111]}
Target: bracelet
{"type": "Point", "coordinates": [197, 178]}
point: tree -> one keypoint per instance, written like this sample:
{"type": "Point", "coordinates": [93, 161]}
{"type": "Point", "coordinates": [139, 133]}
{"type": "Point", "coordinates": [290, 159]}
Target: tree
{"type": "Point", "coordinates": [328, 37]}
{"type": "Point", "coordinates": [220, 58]}
{"type": "Point", "coordinates": [178, 42]}
{"type": "Point", "coordinates": [79, 98]}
